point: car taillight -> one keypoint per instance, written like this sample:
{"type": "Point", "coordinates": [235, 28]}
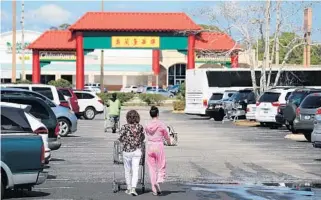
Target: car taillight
{"type": "Point", "coordinates": [42, 156]}
{"type": "Point", "coordinates": [64, 104]}
{"type": "Point", "coordinates": [101, 101]}
{"type": "Point", "coordinates": [257, 103]}
{"type": "Point", "coordinates": [57, 129]}
{"type": "Point", "coordinates": [205, 102]}
{"type": "Point", "coordinates": [41, 130]}
{"type": "Point", "coordinates": [276, 104]}
{"type": "Point", "coordinates": [297, 111]}
{"type": "Point", "coordinates": [318, 112]}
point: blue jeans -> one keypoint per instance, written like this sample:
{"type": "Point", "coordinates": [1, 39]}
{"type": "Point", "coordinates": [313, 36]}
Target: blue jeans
{"type": "Point", "coordinates": [115, 119]}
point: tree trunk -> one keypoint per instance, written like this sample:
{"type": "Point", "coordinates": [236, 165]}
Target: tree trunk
{"type": "Point", "coordinates": [266, 59]}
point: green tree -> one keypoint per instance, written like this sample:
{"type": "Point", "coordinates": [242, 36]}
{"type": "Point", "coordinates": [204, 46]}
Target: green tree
{"type": "Point", "coordinates": [210, 28]}
{"type": "Point", "coordinates": [60, 83]}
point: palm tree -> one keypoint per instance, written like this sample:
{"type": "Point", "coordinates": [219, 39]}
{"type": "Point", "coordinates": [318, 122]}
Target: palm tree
{"type": "Point", "coordinates": [60, 27]}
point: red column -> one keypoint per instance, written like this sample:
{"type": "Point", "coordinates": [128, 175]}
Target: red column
{"type": "Point", "coordinates": [156, 66]}
{"type": "Point", "coordinates": [234, 60]}
{"type": "Point", "coordinates": [80, 68]}
{"type": "Point", "coordinates": [191, 52]}
{"type": "Point", "coordinates": [35, 66]}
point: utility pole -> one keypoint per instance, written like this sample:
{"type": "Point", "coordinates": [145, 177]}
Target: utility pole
{"type": "Point", "coordinates": [23, 74]}
{"type": "Point", "coordinates": [102, 87]}
{"type": "Point", "coordinates": [14, 31]}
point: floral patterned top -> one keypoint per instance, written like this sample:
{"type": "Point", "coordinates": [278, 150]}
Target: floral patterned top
{"type": "Point", "coordinates": [131, 137]}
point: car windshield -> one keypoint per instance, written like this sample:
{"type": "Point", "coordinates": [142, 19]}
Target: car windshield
{"type": "Point", "coordinates": [311, 102]}
{"type": "Point", "coordinates": [241, 96]}
{"type": "Point", "coordinates": [216, 96]}
{"type": "Point", "coordinates": [269, 97]}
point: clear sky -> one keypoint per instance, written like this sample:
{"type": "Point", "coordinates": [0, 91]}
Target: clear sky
{"type": "Point", "coordinates": [41, 15]}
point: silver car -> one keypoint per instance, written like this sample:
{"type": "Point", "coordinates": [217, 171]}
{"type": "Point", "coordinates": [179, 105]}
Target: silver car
{"type": "Point", "coordinates": [305, 115]}
{"type": "Point", "coordinates": [316, 134]}
{"type": "Point", "coordinates": [161, 92]}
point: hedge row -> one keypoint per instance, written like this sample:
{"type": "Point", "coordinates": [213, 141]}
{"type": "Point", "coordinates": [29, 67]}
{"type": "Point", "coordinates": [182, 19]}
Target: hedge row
{"type": "Point", "coordinates": [179, 105]}
{"type": "Point", "coordinates": [152, 99]}
{"type": "Point", "coordinates": [123, 97]}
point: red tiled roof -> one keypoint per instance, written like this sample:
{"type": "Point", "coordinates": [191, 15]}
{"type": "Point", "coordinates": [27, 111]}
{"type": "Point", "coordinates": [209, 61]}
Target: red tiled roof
{"type": "Point", "coordinates": [215, 41]}
{"type": "Point", "coordinates": [134, 21]}
{"type": "Point", "coordinates": [54, 40]}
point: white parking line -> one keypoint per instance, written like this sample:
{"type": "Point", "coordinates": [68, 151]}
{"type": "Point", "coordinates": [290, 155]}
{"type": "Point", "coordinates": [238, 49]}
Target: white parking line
{"type": "Point", "coordinates": [53, 188]}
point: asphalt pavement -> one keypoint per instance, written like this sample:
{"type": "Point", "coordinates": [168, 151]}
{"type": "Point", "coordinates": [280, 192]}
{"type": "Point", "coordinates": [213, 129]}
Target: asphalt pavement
{"type": "Point", "coordinates": [212, 161]}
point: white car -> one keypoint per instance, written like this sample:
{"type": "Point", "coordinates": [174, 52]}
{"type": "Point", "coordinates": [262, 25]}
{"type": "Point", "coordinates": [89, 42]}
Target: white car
{"type": "Point", "coordinates": [93, 89]}
{"type": "Point", "coordinates": [268, 104]}
{"type": "Point", "coordinates": [89, 104]}
{"type": "Point", "coordinates": [48, 91]}
{"type": "Point", "coordinates": [250, 112]}
{"type": "Point", "coordinates": [131, 88]}
{"type": "Point", "coordinates": [36, 125]}
{"type": "Point", "coordinates": [316, 134]}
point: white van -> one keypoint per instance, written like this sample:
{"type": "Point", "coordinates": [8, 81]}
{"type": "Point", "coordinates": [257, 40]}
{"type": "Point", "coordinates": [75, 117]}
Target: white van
{"type": "Point", "coordinates": [199, 91]}
{"type": "Point", "coordinates": [47, 90]}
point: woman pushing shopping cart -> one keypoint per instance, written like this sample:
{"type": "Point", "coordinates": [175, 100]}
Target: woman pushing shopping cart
{"type": "Point", "coordinates": [130, 150]}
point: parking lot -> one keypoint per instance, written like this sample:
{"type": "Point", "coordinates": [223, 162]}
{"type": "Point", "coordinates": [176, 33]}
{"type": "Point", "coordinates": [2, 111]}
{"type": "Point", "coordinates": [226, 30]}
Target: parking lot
{"type": "Point", "coordinates": [208, 152]}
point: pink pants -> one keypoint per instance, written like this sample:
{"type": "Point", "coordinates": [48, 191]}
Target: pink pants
{"type": "Point", "coordinates": [156, 163]}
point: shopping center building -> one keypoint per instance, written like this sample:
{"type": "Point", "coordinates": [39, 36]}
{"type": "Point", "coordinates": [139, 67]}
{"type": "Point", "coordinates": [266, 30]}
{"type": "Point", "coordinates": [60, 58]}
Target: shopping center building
{"type": "Point", "coordinates": [123, 66]}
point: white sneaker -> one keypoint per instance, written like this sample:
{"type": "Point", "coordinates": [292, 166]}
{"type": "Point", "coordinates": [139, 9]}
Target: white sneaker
{"type": "Point", "coordinates": [133, 192]}
{"type": "Point", "coordinates": [128, 191]}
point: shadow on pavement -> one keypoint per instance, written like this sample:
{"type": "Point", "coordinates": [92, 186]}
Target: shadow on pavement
{"type": "Point", "coordinates": [10, 194]}
{"type": "Point", "coordinates": [167, 192]}
{"type": "Point", "coordinates": [72, 136]}
{"type": "Point", "coordinates": [318, 159]}
{"type": "Point", "coordinates": [56, 159]}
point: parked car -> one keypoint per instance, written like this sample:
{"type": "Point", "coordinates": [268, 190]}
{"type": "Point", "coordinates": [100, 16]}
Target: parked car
{"type": "Point", "coordinates": [305, 113]}
{"type": "Point", "coordinates": [41, 111]}
{"type": "Point", "coordinates": [89, 104]}
{"type": "Point", "coordinates": [96, 85]}
{"type": "Point", "coordinates": [66, 119]}
{"type": "Point", "coordinates": [173, 89]}
{"type": "Point", "coordinates": [250, 111]}
{"type": "Point", "coordinates": [131, 88]}
{"type": "Point", "coordinates": [316, 134]}
{"type": "Point", "coordinates": [161, 92]}
{"type": "Point", "coordinates": [215, 104]}
{"type": "Point", "coordinates": [268, 104]}
{"type": "Point", "coordinates": [17, 116]}
{"type": "Point", "coordinates": [22, 157]}
{"type": "Point", "coordinates": [71, 97]}
{"type": "Point", "coordinates": [287, 113]}
{"type": "Point", "coordinates": [92, 89]}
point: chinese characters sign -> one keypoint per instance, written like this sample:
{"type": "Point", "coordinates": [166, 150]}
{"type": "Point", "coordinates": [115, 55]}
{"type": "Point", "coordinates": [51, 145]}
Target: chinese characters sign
{"type": "Point", "coordinates": [57, 55]}
{"type": "Point", "coordinates": [135, 42]}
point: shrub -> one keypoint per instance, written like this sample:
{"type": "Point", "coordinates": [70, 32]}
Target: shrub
{"type": "Point", "coordinates": [179, 105]}
{"type": "Point", "coordinates": [152, 99]}
{"type": "Point", "coordinates": [60, 83]}
{"type": "Point", "coordinates": [123, 97]}
{"type": "Point", "coordinates": [23, 82]}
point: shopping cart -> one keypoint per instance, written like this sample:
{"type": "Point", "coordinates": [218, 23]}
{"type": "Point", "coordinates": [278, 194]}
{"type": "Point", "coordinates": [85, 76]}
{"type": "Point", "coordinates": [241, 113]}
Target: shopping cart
{"type": "Point", "coordinates": [118, 160]}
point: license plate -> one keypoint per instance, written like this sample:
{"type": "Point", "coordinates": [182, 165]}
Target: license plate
{"type": "Point", "coordinates": [211, 107]}
{"type": "Point", "coordinates": [239, 106]}
{"type": "Point", "coordinates": [265, 112]}
{"type": "Point", "coordinates": [307, 117]}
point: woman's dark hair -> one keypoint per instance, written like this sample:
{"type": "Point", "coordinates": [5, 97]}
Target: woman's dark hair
{"type": "Point", "coordinates": [132, 117]}
{"type": "Point", "coordinates": [154, 111]}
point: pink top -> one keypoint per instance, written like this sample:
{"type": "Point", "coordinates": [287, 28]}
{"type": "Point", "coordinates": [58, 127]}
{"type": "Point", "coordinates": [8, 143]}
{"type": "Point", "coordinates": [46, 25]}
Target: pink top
{"type": "Point", "coordinates": [156, 131]}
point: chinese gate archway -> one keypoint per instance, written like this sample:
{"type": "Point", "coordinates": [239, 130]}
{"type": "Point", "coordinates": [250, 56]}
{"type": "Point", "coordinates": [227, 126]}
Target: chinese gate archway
{"type": "Point", "coordinates": [118, 30]}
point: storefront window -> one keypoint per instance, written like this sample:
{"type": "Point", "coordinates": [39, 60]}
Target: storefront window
{"type": "Point", "coordinates": [176, 74]}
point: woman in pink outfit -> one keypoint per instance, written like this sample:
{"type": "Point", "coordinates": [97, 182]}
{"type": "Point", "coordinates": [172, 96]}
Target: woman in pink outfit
{"type": "Point", "coordinates": [156, 131]}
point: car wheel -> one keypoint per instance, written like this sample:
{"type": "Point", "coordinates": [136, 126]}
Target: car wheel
{"type": "Point", "coordinates": [90, 113]}
{"type": "Point", "coordinates": [171, 96]}
{"type": "Point", "coordinates": [64, 127]}
{"type": "Point", "coordinates": [307, 136]}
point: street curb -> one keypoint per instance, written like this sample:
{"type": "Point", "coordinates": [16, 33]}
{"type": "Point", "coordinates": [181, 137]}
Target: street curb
{"type": "Point", "coordinates": [246, 123]}
{"type": "Point", "coordinates": [295, 137]}
{"type": "Point", "coordinates": [178, 112]}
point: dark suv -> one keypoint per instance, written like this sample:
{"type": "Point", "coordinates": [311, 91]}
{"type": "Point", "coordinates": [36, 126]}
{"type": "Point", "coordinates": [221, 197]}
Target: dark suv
{"type": "Point", "coordinates": [287, 113]}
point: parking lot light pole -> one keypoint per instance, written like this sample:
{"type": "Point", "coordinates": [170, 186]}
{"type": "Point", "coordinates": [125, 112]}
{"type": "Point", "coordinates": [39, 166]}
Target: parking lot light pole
{"type": "Point", "coordinates": [102, 87]}
{"type": "Point", "coordinates": [14, 32]}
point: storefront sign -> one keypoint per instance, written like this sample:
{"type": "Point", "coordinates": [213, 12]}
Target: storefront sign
{"type": "Point", "coordinates": [19, 48]}
{"type": "Point", "coordinates": [57, 56]}
{"type": "Point", "coordinates": [212, 58]}
{"type": "Point", "coordinates": [135, 42]}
